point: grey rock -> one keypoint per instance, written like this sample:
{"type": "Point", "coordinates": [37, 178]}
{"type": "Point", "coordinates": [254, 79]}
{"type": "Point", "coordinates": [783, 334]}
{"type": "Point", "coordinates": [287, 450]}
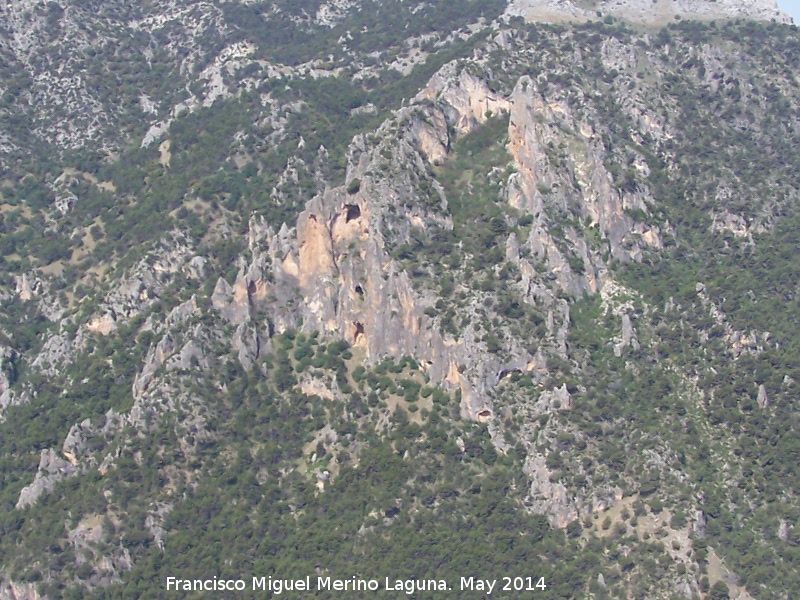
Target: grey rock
{"type": "Point", "coordinates": [763, 400]}
{"type": "Point", "coordinates": [546, 497]}
{"type": "Point", "coordinates": [783, 530]}
{"type": "Point", "coordinates": [7, 376]}
{"type": "Point", "coordinates": [86, 534]}
{"type": "Point", "coordinates": [88, 539]}
{"type": "Point", "coordinates": [182, 312]}
{"type": "Point", "coordinates": [196, 267]}
{"type": "Point", "coordinates": [153, 361]}
{"type": "Point", "coordinates": [57, 351]}
{"type": "Point", "coordinates": [154, 523]}
{"type": "Point", "coordinates": [52, 469]}
{"type": "Point", "coordinates": [628, 336]}
{"type": "Point", "coordinates": [27, 286]}
{"type": "Point", "coordinates": [512, 248]}
{"type": "Point", "coordinates": [699, 526]}
{"type": "Point", "coordinates": [249, 291]}
{"type": "Point", "coordinates": [189, 357]}
{"type": "Point", "coordinates": [10, 590]}
{"type": "Point", "coordinates": [247, 345]}
{"type": "Point", "coordinates": [552, 400]}
{"type": "Point", "coordinates": [75, 443]}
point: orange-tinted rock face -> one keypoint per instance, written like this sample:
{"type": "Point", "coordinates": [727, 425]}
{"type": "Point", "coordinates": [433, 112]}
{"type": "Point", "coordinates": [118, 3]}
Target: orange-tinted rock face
{"type": "Point", "coordinates": [315, 251]}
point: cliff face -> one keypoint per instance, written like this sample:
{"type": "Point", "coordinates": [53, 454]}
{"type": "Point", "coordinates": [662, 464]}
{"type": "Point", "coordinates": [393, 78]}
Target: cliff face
{"type": "Point", "coordinates": [350, 285]}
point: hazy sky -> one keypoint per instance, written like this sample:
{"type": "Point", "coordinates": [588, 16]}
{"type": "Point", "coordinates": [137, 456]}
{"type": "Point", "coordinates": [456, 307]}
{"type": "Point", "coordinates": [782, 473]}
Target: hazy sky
{"type": "Point", "coordinates": [792, 7]}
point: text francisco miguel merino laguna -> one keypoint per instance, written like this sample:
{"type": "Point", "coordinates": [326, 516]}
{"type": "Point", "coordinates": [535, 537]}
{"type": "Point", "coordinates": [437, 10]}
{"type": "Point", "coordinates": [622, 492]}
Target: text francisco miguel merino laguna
{"type": "Point", "coordinates": [278, 586]}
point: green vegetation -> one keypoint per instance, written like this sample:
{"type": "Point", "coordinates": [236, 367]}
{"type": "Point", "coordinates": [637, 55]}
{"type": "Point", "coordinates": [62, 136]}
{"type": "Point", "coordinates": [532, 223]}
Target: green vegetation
{"type": "Point", "coordinates": [257, 495]}
{"type": "Point", "coordinates": [383, 28]}
{"type": "Point", "coordinates": [313, 458]}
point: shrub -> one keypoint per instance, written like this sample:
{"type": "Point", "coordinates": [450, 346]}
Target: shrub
{"type": "Point", "coordinates": [354, 186]}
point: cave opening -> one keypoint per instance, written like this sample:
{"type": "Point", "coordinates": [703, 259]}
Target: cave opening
{"type": "Point", "coordinates": [507, 372]}
{"type": "Point", "coordinates": [358, 335]}
{"type": "Point", "coordinates": [353, 212]}
{"type": "Point", "coordinates": [359, 290]}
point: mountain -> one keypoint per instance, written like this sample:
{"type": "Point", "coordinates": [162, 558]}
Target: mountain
{"type": "Point", "coordinates": [420, 293]}
{"type": "Point", "coordinates": [652, 12]}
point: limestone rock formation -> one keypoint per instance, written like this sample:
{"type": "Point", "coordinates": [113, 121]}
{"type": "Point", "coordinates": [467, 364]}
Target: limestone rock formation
{"type": "Point", "coordinates": [7, 376]}
{"type": "Point", "coordinates": [9, 590]}
{"type": "Point", "coordinates": [352, 288]}
{"type": "Point", "coordinates": [74, 445]}
{"type": "Point", "coordinates": [52, 469]}
{"type": "Point", "coordinates": [547, 497]}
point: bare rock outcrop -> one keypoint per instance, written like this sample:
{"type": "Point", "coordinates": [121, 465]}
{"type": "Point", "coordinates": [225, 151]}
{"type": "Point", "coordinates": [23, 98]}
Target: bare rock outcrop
{"type": "Point", "coordinates": [560, 169]}
{"type": "Point", "coordinates": [88, 539]}
{"type": "Point", "coordinates": [247, 344]}
{"type": "Point", "coordinates": [10, 590]}
{"type": "Point", "coordinates": [27, 286]}
{"type": "Point", "coordinates": [52, 469]}
{"type": "Point", "coordinates": [783, 530]}
{"type": "Point", "coordinates": [627, 337]}
{"type": "Point", "coordinates": [74, 445]}
{"type": "Point", "coordinates": [556, 399]}
{"type": "Point", "coordinates": [154, 523]}
{"type": "Point", "coordinates": [153, 361]}
{"type": "Point", "coordinates": [547, 497]}
{"type": "Point", "coordinates": [762, 398]}
{"type": "Point", "coordinates": [468, 101]}
{"type": "Point", "coordinates": [353, 288]}
{"type": "Point", "coordinates": [7, 376]}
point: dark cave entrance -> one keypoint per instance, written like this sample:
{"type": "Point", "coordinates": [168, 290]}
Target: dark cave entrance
{"type": "Point", "coordinates": [352, 212]}
{"type": "Point", "coordinates": [358, 335]}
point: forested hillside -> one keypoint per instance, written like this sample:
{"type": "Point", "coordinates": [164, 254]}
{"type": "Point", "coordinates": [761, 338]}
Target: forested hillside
{"type": "Point", "coordinates": [403, 290]}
